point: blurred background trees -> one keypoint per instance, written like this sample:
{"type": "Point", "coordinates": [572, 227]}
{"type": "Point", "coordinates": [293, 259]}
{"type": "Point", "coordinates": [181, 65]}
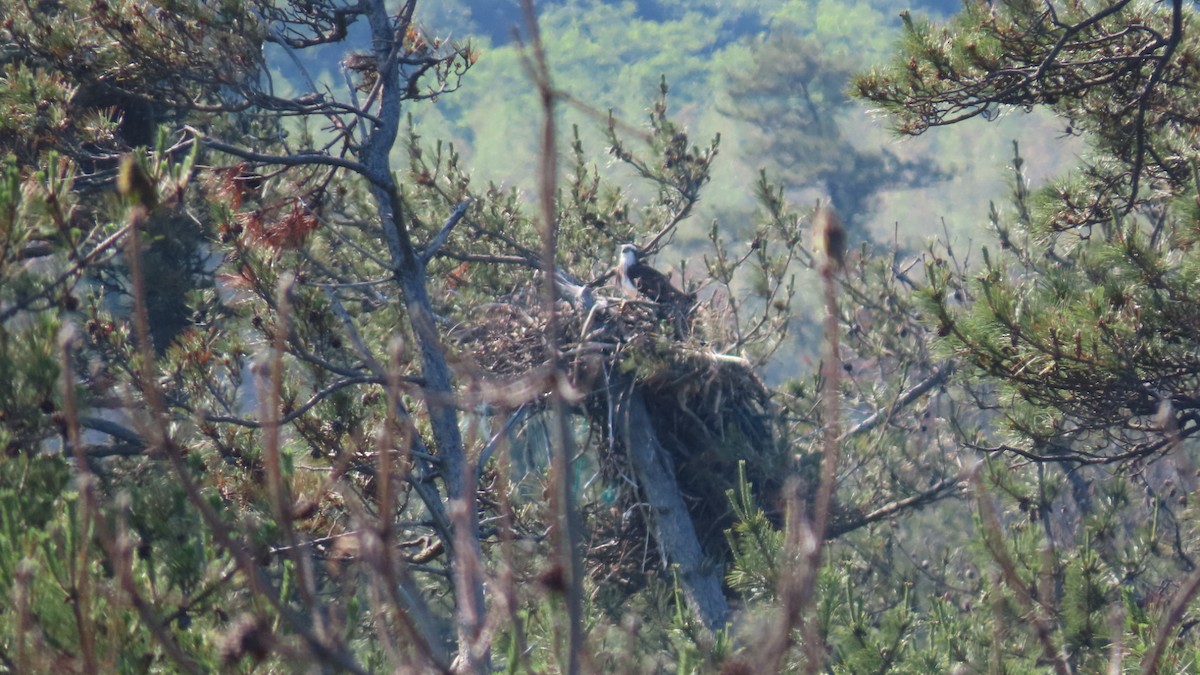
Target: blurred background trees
{"type": "Point", "coordinates": [290, 393]}
{"type": "Point", "coordinates": [794, 97]}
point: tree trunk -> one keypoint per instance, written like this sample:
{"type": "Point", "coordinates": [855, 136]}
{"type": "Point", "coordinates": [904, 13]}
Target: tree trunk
{"type": "Point", "coordinates": [409, 272]}
{"type": "Point", "coordinates": [668, 515]}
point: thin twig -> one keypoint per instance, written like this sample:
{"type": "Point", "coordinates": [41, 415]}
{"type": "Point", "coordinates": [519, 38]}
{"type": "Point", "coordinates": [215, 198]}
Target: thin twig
{"type": "Point", "coordinates": [566, 530]}
{"type": "Point", "coordinates": [1170, 621]}
{"type": "Point", "coordinates": [994, 539]}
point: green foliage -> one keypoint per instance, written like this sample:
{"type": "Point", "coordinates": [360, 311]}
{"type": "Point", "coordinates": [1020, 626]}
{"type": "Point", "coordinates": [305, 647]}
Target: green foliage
{"type": "Point", "coordinates": [64, 594]}
{"type": "Point", "coordinates": [755, 543]}
{"type": "Point", "coordinates": [1073, 354]}
{"type": "Point", "coordinates": [30, 297]}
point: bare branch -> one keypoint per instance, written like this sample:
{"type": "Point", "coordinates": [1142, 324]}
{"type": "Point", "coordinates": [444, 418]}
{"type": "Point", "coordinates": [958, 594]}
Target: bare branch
{"type": "Point", "coordinates": [444, 234]}
{"type": "Point", "coordinates": [299, 159]}
{"type": "Point", "coordinates": [939, 376]}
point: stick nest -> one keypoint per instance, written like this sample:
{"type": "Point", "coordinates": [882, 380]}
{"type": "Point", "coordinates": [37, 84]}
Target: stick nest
{"type": "Point", "coordinates": [709, 412]}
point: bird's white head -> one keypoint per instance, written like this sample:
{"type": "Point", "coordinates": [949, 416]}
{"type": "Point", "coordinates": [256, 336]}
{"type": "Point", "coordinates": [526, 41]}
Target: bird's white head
{"type": "Point", "coordinates": [629, 255]}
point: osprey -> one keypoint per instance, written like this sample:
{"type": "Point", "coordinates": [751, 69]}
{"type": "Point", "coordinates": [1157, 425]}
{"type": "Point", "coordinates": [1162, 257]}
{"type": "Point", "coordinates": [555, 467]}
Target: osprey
{"type": "Point", "coordinates": [636, 277]}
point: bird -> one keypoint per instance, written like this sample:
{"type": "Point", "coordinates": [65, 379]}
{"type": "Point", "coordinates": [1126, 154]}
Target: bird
{"type": "Point", "coordinates": [638, 278]}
